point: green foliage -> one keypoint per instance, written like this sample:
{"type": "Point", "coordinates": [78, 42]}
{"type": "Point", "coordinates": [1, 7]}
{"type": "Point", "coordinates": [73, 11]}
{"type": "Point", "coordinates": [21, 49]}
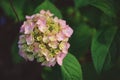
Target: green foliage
{"type": "Point", "coordinates": [49, 6]}
{"type": "Point", "coordinates": [71, 69]}
{"type": "Point", "coordinates": [81, 39]}
{"type": "Point", "coordinates": [105, 6]}
{"type": "Point", "coordinates": [81, 3]}
{"type": "Point", "coordinates": [30, 8]}
{"type": "Point", "coordinates": [107, 21]}
{"type": "Point", "coordinates": [89, 72]}
{"type": "Point", "coordinates": [100, 46]}
{"type": "Point", "coordinates": [75, 18]}
{"type": "Point", "coordinates": [18, 6]}
{"type": "Point", "coordinates": [108, 62]}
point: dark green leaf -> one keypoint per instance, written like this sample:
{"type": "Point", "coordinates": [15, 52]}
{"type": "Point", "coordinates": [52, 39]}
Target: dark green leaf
{"type": "Point", "coordinates": [49, 6]}
{"type": "Point", "coordinates": [18, 6]}
{"type": "Point", "coordinates": [89, 72]}
{"type": "Point", "coordinates": [107, 21]}
{"type": "Point", "coordinates": [114, 52]}
{"type": "Point", "coordinates": [81, 39]}
{"type": "Point", "coordinates": [108, 62]}
{"type": "Point", "coordinates": [71, 69]}
{"type": "Point", "coordinates": [104, 6]}
{"type": "Point", "coordinates": [80, 3]}
{"type": "Point", "coordinates": [29, 9]}
{"type": "Point", "coordinates": [76, 17]}
{"type": "Point", "coordinates": [100, 46]}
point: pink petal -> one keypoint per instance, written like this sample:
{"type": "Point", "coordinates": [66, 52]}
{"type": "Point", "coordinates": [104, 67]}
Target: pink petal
{"type": "Point", "coordinates": [60, 58]}
{"type": "Point", "coordinates": [67, 45]}
{"type": "Point", "coordinates": [30, 57]}
{"type": "Point", "coordinates": [53, 44]}
{"type": "Point", "coordinates": [52, 38]}
{"type": "Point", "coordinates": [65, 50]}
{"type": "Point", "coordinates": [49, 63]}
{"type": "Point", "coordinates": [67, 31]}
{"type": "Point", "coordinates": [49, 13]}
{"type": "Point", "coordinates": [21, 39]}
{"type": "Point", "coordinates": [64, 47]}
{"type": "Point", "coordinates": [29, 39]}
{"type": "Point", "coordinates": [62, 23]}
{"type": "Point", "coordinates": [36, 47]}
{"type": "Point", "coordinates": [30, 17]}
{"type": "Point", "coordinates": [22, 54]}
{"type": "Point", "coordinates": [56, 19]}
{"type": "Point", "coordinates": [42, 25]}
{"type": "Point", "coordinates": [60, 36]}
{"type": "Point", "coordinates": [22, 28]}
{"type": "Point", "coordinates": [29, 26]}
{"type": "Point", "coordinates": [45, 39]}
{"type": "Point", "coordinates": [42, 12]}
{"type": "Point", "coordinates": [45, 52]}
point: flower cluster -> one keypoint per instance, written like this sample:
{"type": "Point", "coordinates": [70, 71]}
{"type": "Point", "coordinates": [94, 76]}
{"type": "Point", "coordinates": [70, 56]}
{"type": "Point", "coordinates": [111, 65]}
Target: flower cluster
{"type": "Point", "coordinates": [44, 37]}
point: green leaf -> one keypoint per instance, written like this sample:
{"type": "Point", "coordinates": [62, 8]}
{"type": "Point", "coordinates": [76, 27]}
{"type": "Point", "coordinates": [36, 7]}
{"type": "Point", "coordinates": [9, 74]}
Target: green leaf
{"type": "Point", "coordinates": [18, 6]}
{"type": "Point", "coordinates": [105, 20]}
{"type": "Point", "coordinates": [29, 9]}
{"type": "Point", "coordinates": [104, 6]}
{"type": "Point", "coordinates": [89, 71]}
{"type": "Point", "coordinates": [71, 69]}
{"type": "Point", "coordinates": [81, 3]}
{"type": "Point", "coordinates": [114, 52]}
{"type": "Point", "coordinates": [15, 56]}
{"type": "Point", "coordinates": [81, 39]}
{"type": "Point", "coordinates": [46, 5]}
{"type": "Point", "coordinates": [75, 18]}
{"type": "Point", "coordinates": [100, 46]}
{"type": "Point", "coordinates": [107, 63]}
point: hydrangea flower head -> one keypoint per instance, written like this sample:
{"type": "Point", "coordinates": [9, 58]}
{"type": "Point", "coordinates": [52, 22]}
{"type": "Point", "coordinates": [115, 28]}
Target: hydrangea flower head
{"type": "Point", "coordinates": [44, 38]}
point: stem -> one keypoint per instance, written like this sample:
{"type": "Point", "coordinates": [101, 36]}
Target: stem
{"type": "Point", "coordinates": [11, 3]}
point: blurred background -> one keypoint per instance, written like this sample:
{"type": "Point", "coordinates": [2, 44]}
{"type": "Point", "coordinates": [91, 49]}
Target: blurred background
{"type": "Point", "coordinates": [86, 17]}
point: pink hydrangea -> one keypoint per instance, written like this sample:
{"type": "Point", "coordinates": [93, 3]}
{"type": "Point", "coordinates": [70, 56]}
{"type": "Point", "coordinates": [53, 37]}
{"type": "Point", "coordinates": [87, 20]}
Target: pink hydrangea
{"type": "Point", "coordinates": [44, 38]}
